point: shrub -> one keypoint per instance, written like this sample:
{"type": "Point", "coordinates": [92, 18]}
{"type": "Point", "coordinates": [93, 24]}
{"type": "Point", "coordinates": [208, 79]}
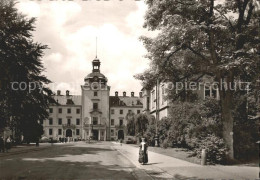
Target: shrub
{"type": "Point", "coordinates": [215, 148]}
{"type": "Point", "coordinates": [150, 134]}
{"type": "Point", "coordinates": [165, 144]}
{"type": "Point", "coordinates": [245, 128]}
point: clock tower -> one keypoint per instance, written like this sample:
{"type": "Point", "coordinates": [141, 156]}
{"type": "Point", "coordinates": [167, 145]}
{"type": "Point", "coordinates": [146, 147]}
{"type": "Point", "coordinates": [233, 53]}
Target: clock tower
{"type": "Point", "coordinates": [95, 104]}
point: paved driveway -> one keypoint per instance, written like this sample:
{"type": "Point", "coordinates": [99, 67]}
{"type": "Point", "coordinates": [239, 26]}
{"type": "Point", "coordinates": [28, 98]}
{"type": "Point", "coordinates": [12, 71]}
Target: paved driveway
{"type": "Point", "coordinates": [68, 161]}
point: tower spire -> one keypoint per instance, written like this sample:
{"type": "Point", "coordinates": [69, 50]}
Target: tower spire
{"type": "Point", "coordinates": [96, 47]}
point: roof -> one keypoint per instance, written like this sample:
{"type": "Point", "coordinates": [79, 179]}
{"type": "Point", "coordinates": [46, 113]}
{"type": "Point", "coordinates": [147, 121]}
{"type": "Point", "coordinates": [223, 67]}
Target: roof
{"type": "Point", "coordinates": [68, 100]}
{"type": "Point", "coordinates": [93, 74]}
{"type": "Point", "coordinates": [118, 101]}
{"type": "Point", "coordinates": [123, 101]}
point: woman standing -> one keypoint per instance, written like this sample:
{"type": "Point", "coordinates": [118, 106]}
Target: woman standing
{"type": "Point", "coordinates": [8, 144]}
{"type": "Point", "coordinates": [143, 156]}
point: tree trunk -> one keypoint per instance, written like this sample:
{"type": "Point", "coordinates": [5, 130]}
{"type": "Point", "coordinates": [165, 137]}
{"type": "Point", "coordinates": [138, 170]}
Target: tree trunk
{"type": "Point", "coordinates": [226, 102]}
{"type": "Point", "coordinates": [227, 119]}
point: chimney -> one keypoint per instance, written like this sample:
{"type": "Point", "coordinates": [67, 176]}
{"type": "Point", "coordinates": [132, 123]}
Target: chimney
{"type": "Point", "coordinates": [67, 93]}
{"type": "Point", "coordinates": [58, 92]}
{"type": "Point", "coordinates": [140, 94]}
{"type": "Point", "coordinates": [124, 94]}
{"type": "Point", "coordinates": [116, 93]}
{"type": "Point", "coordinates": [132, 94]}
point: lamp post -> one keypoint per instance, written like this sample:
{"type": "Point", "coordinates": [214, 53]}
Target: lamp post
{"type": "Point", "coordinates": [91, 125]}
{"type": "Point", "coordinates": [157, 108]}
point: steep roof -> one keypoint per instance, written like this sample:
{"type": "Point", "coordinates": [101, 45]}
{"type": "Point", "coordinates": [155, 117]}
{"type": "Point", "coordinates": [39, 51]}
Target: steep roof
{"type": "Point", "coordinates": [115, 101]}
{"type": "Point", "coordinates": [67, 100]}
{"type": "Point", "coordinates": [93, 74]}
{"type": "Point", "coordinates": [125, 101]}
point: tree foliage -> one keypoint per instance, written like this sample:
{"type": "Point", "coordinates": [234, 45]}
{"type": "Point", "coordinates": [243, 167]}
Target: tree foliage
{"type": "Point", "coordinates": [141, 123]}
{"type": "Point", "coordinates": [20, 62]}
{"type": "Point", "coordinates": [198, 37]}
{"type": "Point", "coordinates": [130, 118]}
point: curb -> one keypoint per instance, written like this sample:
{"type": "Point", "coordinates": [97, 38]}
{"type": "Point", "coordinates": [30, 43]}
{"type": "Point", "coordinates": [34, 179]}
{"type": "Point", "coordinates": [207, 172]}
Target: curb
{"type": "Point", "coordinates": [137, 173]}
{"type": "Point", "coordinates": [148, 175]}
{"type": "Point", "coordinates": [143, 174]}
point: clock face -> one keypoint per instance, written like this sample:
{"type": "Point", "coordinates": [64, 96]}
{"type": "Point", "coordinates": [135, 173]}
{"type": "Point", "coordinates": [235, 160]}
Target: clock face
{"type": "Point", "coordinates": [95, 78]}
{"type": "Point", "coordinates": [95, 86]}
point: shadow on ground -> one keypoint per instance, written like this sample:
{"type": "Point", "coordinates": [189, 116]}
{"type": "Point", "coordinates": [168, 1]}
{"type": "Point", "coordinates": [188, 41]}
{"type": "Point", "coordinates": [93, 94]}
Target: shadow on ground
{"type": "Point", "coordinates": [66, 170]}
{"type": "Point", "coordinates": [160, 175]}
{"type": "Point", "coordinates": [66, 162]}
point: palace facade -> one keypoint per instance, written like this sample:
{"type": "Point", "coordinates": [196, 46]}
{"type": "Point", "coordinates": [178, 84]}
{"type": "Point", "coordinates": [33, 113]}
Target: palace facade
{"type": "Point", "coordinates": [94, 113]}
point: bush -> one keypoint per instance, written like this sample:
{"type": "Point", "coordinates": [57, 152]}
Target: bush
{"type": "Point", "coordinates": [150, 134]}
{"type": "Point", "coordinates": [165, 144]}
{"type": "Point", "coordinates": [245, 128]}
{"type": "Point", "coordinates": [215, 148]}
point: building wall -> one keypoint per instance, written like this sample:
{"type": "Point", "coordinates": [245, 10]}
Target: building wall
{"type": "Point", "coordinates": [55, 115]}
{"type": "Point", "coordinates": [146, 100]}
{"type": "Point", "coordinates": [150, 97]}
{"type": "Point", "coordinates": [116, 116]}
{"type": "Point", "coordinates": [162, 113]}
{"type": "Point", "coordinates": [102, 99]}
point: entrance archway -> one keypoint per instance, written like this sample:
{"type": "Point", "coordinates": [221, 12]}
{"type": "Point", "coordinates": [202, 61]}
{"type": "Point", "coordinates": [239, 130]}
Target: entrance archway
{"type": "Point", "coordinates": [95, 134]}
{"type": "Point", "coordinates": [120, 134]}
{"type": "Point", "coordinates": [68, 133]}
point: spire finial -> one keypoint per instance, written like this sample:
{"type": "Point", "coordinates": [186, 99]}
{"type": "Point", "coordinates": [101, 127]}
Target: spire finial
{"type": "Point", "coordinates": [96, 47]}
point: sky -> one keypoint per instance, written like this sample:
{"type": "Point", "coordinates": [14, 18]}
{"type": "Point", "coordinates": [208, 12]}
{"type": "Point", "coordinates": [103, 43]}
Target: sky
{"type": "Point", "coordinates": [70, 29]}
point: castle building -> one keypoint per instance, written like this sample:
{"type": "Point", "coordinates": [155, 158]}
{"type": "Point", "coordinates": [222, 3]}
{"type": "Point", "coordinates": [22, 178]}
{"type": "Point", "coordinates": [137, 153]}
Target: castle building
{"type": "Point", "coordinates": [150, 100]}
{"type": "Point", "coordinates": [204, 88]}
{"type": "Point", "coordinates": [94, 113]}
{"type": "Point", "coordinates": [120, 106]}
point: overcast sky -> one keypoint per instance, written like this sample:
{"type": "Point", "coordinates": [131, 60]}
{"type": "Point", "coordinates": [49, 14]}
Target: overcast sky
{"type": "Point", "coordinates": [70, 29]}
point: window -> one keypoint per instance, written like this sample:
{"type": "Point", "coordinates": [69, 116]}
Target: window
{"type": "Point", "coordinates": [59, 131]}
{"type": "Point", "coordinates": [95, 120]}
{"type": "Point", "coordinates": [95, 106]}
{"type": "Point", "coordinates": [68, 121]}
{"type": "Point", "coordinates": [78, 111]}
{"type": "Point", "coordinates": [163, 99]}
{"type": "Point", "coordinates": [50, 121]}
{"type": "Point", "coordinates": [77, 121]}
{"type": "Point", "coordinates": [50, 131]}
{"type": "Point", "coordinates": [60, 121]}
{"type": "Point", "coordinates": [77, 131]}
{"type": "Point", "coordinates": [138, 111]}
{"type": "Point", "coordinates": [112, 122]}
{"type": "Point", "coordinates": [207, 91]}
{"type": "Point", "coordinates": [112, 132]}
{"type": "Point", "coordinates": [112, 111]}
{"type": "Point", "coordinates": [60, 110]}
{"type": "Point", "coordinates": [51, 110]}
{"type": "Point", "coordinates": [129, 111]}
{"type": "Point", "coordinates": [121, 122]}
{"type": "Point", "coordinates": [95, 93]}
{"type": "Point", "coordinates": [148, 103]}
{"type": "Point", "coordinates": [153, 99]}
{"type": "Point", "coordinates": [68, 110]}
{"type": "Point", "coordinates": [213, 93]}
{"type": "Point", "coordinates": [121, 111]}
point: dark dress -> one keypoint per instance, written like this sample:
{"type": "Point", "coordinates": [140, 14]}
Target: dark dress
{"type": "Point", "coordinates": [143, 156]}
{"type": "Point", "coordinates": [2, 145]}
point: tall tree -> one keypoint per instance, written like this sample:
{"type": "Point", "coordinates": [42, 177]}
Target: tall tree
{"type": "Point", "coordinates": [23, 98]}
{"type": "Point", "coordinates": [130, 118]}
{"type": "Point", "coordinates": [141, 124]}
{"type": "Point", "coordinates": [197, 37]}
